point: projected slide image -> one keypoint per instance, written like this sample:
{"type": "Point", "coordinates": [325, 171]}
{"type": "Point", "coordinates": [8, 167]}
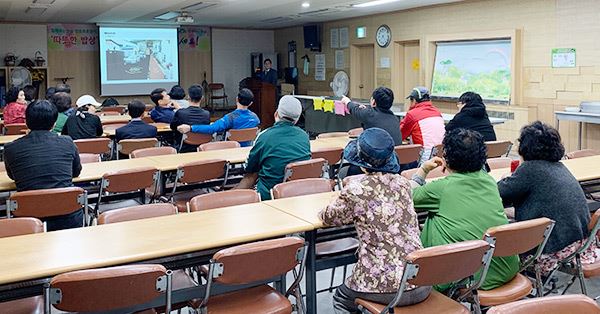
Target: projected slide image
{"type": "Point", "coordinates": [138, 60]}
{"type": "Point", "coordinates": [480, 66]}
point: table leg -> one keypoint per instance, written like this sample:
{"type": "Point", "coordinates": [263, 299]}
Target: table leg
{"type": "Point", "coordinates": [311, 273]}
{"type": "Point", "coordinates": [579, 135]}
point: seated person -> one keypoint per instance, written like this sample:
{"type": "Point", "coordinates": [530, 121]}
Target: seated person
{"type": "Point", "coordinates": [14, 112]}
{"type": "Point", "coordinates": [276, 147]}
{"type": "Point", "coordinates": [62, 101]}
{"type": "Point", "coordinates": [177, 94]}
{"type": "Point", "coordinates": [240, 118]}
{"type": "Point", "coordinates": [192, 114]}
{"type": "Point", "coordinates": [136, 128]}
{"type": "Point", "coordinates": [84, 123]}
{"type": "Point", "coordinates": [30, 93]}
{"type": "Point", "coordinates": [387, 227]}
{"type": "Point", "coordinates": [423, 122]}
{"type": "Point", "coordinates": [465, 204]}
{"type": "Point", "coordinates": [44, 160]}
{"type": "Point", "coordinates": [165, 108]}
{"type": "Point", "coordinates": [543, 187]}
{"type": "Point", "coordinates": [472, 116]}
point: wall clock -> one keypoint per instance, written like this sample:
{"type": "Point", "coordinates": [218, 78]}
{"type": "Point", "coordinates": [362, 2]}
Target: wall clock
{"type": "Point", "coordinates": [383, 36]}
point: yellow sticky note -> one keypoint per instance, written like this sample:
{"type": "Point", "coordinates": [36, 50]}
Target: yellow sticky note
{"type": "Point", "coordinates": [328, 105]}
{"type": "Point", "coordinates": [318, 104]}
{"type": "Point", "coordinates": [416, 64]}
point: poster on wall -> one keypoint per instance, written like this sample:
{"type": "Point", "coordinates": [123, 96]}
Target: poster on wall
{"type": "Point", "coordinates": [339, 59]}
{"type": "Point", "coordinates": [320, 67]}
{"type": "Point", "coordinates": [334, 37]}
{"type": "Point", "coordinates": [194, 38]}
{"type": "Point", "coordinates": [563, 58]}
{"type": "Point", "coordinates": [72, 37]}
{"type": "Point", "coordinates": [344, 40]}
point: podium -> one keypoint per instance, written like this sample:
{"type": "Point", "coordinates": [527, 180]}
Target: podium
{"type": "Point", "coordinates": [265, 98]}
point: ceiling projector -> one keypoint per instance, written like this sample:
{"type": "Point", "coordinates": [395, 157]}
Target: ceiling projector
{"type": "Point", "coordinates": [184, 19]}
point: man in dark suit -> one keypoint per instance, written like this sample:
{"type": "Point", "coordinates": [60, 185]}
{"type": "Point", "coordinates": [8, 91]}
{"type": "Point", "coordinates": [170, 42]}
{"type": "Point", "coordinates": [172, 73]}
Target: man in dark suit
{"type": "Point", "coordinates": [136, 128]}
{"type": "Point", "coordinates": [269, 75]}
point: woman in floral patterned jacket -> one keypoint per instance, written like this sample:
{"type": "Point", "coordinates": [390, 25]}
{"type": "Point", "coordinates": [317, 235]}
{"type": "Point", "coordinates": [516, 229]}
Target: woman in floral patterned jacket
{"type": "Point", "coordinates": [380, 206]}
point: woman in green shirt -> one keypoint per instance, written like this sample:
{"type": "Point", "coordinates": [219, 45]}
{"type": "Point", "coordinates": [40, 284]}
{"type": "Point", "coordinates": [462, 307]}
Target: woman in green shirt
{"type": "Point", "coordinates": [62, 102]}
{"type": "Point", "coordinates": [463, 205]}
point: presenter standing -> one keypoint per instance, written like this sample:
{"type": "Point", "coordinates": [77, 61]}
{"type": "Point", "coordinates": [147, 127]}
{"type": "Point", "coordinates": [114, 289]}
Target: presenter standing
{"type": "Point", "coordinates": [269, 75]}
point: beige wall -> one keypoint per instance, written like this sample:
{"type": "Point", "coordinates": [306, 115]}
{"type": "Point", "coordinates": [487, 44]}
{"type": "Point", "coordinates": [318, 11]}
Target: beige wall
{"type": "Point", "coordinates": [541, 24]}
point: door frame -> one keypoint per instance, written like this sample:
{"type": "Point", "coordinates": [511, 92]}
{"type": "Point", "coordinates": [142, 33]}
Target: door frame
{"type": "Point", "coordinates": [398, 70]}
{"type": "Point", "coordinates": [355, 68]}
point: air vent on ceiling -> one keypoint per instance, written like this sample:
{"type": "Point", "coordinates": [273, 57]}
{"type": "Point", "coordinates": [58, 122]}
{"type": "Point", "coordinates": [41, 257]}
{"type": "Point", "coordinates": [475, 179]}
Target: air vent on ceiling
{"type": "Point", "coordinates": [199, 6]}
{"type": "Point", "coordinates": [315, 12]}
{"type": "Point", "coordinates": [276, 20]}
{"type": "Point", "coordinates": [44, 2]}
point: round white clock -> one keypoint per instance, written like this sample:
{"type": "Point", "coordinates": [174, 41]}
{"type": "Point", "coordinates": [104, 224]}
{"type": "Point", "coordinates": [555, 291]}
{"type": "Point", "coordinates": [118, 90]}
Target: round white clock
{"type": "Point", "coordinates": [383, 36]}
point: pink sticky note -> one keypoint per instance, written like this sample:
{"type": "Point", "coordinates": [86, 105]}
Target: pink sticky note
{"type": "Point", "coordinates": [340, 108]}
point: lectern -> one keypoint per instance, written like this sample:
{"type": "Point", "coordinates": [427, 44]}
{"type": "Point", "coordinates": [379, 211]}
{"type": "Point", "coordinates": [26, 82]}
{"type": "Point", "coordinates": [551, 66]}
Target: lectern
{"type": "Point", "coordinates": [264, 105]}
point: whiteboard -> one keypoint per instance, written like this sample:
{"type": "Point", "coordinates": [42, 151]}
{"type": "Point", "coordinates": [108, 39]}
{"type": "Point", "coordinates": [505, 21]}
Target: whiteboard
{"type": "Point", "coordinates": [23, 40]}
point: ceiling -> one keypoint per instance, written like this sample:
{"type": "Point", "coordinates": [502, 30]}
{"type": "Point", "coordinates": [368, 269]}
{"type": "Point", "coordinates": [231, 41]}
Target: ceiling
{"type": "Point", "coordinates": [265, 14]}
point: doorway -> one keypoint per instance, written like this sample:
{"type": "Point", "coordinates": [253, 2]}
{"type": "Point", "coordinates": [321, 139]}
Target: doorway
{"type": "Point", "coordinates": [362, 71]}
{"type": "Point", "coordinates": [407, 70]}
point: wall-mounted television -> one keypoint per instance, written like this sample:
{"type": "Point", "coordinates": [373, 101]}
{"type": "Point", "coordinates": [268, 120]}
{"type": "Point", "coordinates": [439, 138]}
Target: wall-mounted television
{"type": "Point", "coordinates": [312, 37]}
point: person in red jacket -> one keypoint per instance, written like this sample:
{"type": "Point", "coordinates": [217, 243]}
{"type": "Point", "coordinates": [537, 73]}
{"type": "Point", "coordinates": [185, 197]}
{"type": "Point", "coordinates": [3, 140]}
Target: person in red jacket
{"type": "Point", "coordinates": [423, 122]}
{"type": "Point", "coordinates": [14, 112]}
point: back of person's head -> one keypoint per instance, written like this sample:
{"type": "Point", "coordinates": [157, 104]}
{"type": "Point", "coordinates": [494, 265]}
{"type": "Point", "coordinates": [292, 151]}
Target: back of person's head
{"type": "Point", "coordinates": [41, 115]}
{"type": "Point", "coordinates": [384, 97]}
{"type": "Point", "coordinates": [110, 102]}
{"type": "Point", "coordinates": [62, 101]}
{"type": "Point", "coordinates": [470, 98]}
{"type": "Point", "coordinates": [49, 92]}
{"type": "Point", "coordinates": [156, 95]}
{"type": "Point", "coordinates": [136, 108]}
{"type": "Point", "coordinates": [289, 109]}
{"type": "Point", "coordinates": [464, 150]}
{"type": "Point", "coordinates": [12, 94]}
{"type": "Point", "coordinates": [30, 92]}
{"type": "Point", "coordinates": [195, 92]}
{"type": "Point", "coordinates": [177, 92]}
{"type": "Point", "coordinates": [65, 88]}
{"type": "Point", "coordinates": [539, 141]}
{"type": "Point", "coordinates": [245, 97]}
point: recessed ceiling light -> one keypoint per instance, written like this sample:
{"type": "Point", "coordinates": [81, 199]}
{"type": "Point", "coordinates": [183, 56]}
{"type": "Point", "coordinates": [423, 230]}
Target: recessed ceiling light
{"type": "Point", "coordinates": [305, 4]}
{"type": "Point", "coordinates": [373, 3]}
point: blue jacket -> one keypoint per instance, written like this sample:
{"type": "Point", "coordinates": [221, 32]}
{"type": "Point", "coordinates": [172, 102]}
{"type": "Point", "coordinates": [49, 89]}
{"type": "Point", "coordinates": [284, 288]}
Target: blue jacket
{"type": "Point", "coordinates": [161, 114]}
{"type": "Point", "coordinates": [135, 129]}
{"type": "Point", "coordinates": [237, 119]}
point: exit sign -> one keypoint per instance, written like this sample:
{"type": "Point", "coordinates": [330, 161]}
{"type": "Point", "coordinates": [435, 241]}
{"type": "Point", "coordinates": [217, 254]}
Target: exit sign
{"type": "Point", "coordinates": [361, 32]}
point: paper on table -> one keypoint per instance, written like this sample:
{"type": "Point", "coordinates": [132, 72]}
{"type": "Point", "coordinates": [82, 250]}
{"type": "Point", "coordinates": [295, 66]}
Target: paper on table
{"type": "Point", "coordinates": [340, 108]}
{"type": "Point", "coordinates": [328, 105]}
{"type": "Point", "coordinates": [318, 104]}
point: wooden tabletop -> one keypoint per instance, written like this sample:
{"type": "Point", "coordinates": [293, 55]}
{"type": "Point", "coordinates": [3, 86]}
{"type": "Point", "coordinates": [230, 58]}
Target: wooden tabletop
{"type": "Point", "coordinates": [160, 128]}
{"type": "Point", "coordinates": [9, 138]}
{"type": "Point", "coordinates": [115, 119]}
{"type": "Point", "coordinates": [305, 207]}
{"type": "Point", "coordinates": [171, 162]}
{"type": "Point", "coordinates": [47, 254]}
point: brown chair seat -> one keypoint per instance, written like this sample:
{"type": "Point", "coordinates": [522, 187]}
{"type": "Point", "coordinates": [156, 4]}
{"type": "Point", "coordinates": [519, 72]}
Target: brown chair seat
{"type": "Point", "coordinates": [518, 288]}
{"type": "Point", "coordinates": [435, 303]}
{"type": "Point", "coordinates": [33, 305]}
{"type": "Point", "coordinates": [261, 299]}
{"type": "Point", "coordinates": [591, 270]}
{"type": "Point", "coordinates": [336, 246]}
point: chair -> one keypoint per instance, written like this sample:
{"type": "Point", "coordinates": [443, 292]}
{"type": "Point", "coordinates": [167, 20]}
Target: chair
{"type": "Point", "coordinates": [218, 145]}
{"type": "Point", "coordinates": [125, 181]}
{"type": "Point", "coordinates": [514, 239]}
{"type": "Point", "coordinates": [312, 168]}
{"type": "Point", "coordinates": [355, 132]}
{"type": "Point", "coordinates": [498, 148]}
{"type": "Point", "coordinates": [332, 134]}
{"type": "Point", "coordinates": [250, 263]}
{"type": "Point", "coordinates": [409, 153]}
{"type": "Point", "coordinates": [118, 109]}
{"type": "Point", "coordinates": [197, 172]}
{"type": "Point", "coordinates": [582, 153]}
{"type": "Point", "coordinates": [437, 265]}
{"type": "Point", "coordinates": [575, 303]}
{"type": "Point", "coordinates": [435, 173]}
{"type": "Point", "coordinates": [153, 151]}
{"type": "Point", "coordinates": [217, 92]}
{"type": "Point", "coordinates": [242, 135]}
{"type": "Point", "coordinates": [333, 156]}
{"type": "Point", "coordinates": [146, 118]}
{"type": "Point", "coordinates": [437, 150]}
{"type": "Point", "coordinates": [16, 227]}
{"type": "Point", "coordinates": [499, 163]}
{"type": "Point", "coordinates": [47, 202]}
{"type": "Point", "coordinates": [125, 147]}
{"type": "Point", "coordinates": [110, 113]}
{"type": "Point", "coordinates": [137, 212]}
{"type": "Point", "coordinates": [195, 139]}
{"type": "Point", "coordinates": [107, 289]}
{"type": "Point", "coordinates": [223, 199]}
{"type": "Point", "coordinates": [89, 158]}
{"type": "Point", "coordinates": [99, 145]}
{"type": "Point", "coordinates": [15, 128]}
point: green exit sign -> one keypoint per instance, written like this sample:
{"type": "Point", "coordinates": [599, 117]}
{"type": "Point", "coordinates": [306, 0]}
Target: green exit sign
{"type": "Point", "coordinates": [361, 32]}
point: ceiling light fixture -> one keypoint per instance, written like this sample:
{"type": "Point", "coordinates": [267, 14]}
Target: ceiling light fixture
{"type": "Point", "coordinates": [373, 3]}
{"type": "Point", "coordinates": [305, 4]}
{"type": "Point", "coordinates": [167, 16]}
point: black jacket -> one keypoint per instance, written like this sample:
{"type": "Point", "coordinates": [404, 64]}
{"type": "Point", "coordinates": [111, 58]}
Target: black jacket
{"type": "Point", "coordinates": [191, 116]}
{"type": "Point", "coordinates": [135, 129]}
{"type": "Point", "coordinates": [473, 117]}
{"type": "Point", "coordinates": [78, 128]}
{"type": "Point", "coordinates": [377, 118]}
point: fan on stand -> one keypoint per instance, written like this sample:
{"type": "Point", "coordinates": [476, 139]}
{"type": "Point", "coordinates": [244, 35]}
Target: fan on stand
{"type": "Point", "coordinates": [340, 84]}
{"type": "Point", "coordinates": [20, 77]}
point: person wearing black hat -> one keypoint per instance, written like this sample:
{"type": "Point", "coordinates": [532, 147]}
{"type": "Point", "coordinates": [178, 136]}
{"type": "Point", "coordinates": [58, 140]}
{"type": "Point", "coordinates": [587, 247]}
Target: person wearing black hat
{"type": "Point", "coordinates": [380, 206]}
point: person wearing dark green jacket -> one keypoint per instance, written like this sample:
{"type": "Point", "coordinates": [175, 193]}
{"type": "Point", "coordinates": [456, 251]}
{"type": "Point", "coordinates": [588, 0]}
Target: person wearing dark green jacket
{"type": "Point", "coordinates": [463, 205]}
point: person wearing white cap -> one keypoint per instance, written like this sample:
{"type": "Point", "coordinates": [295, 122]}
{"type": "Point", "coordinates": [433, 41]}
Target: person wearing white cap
{"type": "Point", "coordinates": [84, 123]}
{"type": "Point", "coordinates": [276, 147]}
